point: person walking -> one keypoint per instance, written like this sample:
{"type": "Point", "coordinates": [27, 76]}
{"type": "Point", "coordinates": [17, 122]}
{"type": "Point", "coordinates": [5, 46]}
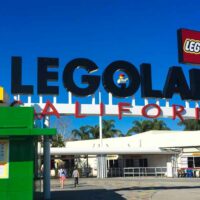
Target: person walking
{"type": "Point", "coordinates": [76, 175]}
{"type": "Point", "coordinates": [62, 175]}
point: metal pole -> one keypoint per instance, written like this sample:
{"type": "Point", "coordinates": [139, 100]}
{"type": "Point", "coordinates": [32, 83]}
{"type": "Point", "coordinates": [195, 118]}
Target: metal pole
{"type": "Point", "coordinates": [98, 174]}
{"type": "Point", "coordinates": [46, 175]}
{"type": "Point", "coordinates": [103, 166]}
{"type": "Point", "coordinates": [100, 124]}
{"type": "Point", "coordinates": [100, 163]}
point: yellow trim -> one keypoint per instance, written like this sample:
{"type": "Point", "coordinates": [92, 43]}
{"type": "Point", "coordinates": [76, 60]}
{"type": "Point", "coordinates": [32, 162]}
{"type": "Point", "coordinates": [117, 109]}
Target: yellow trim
{"type": "Point", "coordinates": [1, 94]}
{"type": "Point", "coordinates": [196, 154]}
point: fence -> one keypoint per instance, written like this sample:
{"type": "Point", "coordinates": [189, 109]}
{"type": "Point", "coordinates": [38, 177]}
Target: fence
{"type": "Point", "coordinates": [115, 172]}
{"type": "Point", "coordinates": [137, 171]}
{"type": "Point", "coordinates": [144, 171]}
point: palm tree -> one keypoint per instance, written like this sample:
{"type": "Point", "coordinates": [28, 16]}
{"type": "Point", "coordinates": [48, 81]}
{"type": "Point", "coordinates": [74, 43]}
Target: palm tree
{"type": "Point", "coordinates": [140, 126]}
{"type": "Point", "coordinates": [109, 129]}
{"type": "Point", "coordinates": [190, 124]}
{"type": "Point", "coordinates": [147, 125]}
{"type": "Point", "coordinates": [94, 131]}
{"type": "Point", "coordinates": [58, 141]}
{"type": "Point", "coordinates": [82, 133]}
{"type": "Point", "coordinates": [159, 125]}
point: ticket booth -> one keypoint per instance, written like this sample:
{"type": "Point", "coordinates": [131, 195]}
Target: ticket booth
{"type": "Point", "coordinates": [18, 152]}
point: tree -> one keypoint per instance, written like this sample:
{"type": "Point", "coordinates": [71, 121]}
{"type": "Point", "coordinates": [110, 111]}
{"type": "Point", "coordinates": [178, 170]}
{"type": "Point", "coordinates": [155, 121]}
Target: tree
{"type": "Point", "coordinates": [61, 124]}
{"type": "Point", "coordinates": [190, 124]}
{"type": "Point", "coordinates": [147, 125]}
{"type": "Point", "coordinates": [140, 126]}
{"type": "Point", "coordinates": [94, 131]}
{"type": "Point", "coordinates": [82, 133]}
{"type": "Point", "coordinates": [159, 125]}
{"type": "Point", "coordinates": [58, 141]}
{"type": "Point", "coordinates": [109, 129]}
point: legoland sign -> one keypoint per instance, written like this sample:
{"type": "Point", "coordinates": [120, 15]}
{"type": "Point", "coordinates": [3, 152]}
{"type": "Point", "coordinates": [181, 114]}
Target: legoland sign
{"type": "Point", "coordinates": [175, 81]}
{"type": "Point", "coordinates": [189, 46]}
{"type": "Point", "coordinates": [129, 81]}
{"type": "Point", "coordinates": [151, 111]}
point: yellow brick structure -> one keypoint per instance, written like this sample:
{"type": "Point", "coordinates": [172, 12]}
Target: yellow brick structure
{"type": "Point", "coordinates": [3, 96]}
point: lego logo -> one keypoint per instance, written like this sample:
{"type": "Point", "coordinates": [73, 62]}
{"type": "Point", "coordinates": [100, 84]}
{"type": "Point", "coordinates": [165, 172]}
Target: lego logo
{"type": "Point", "coordinates": [192, 46]}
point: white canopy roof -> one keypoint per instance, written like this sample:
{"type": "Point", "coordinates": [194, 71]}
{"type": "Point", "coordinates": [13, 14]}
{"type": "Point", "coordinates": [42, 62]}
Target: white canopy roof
{"type": "Point", "coordinates": [151, 142]}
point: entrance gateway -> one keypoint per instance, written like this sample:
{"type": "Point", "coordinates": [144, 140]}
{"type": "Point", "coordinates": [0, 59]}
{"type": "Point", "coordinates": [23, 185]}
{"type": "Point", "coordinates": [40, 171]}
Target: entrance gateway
{"type": "Point", "coordinates": [126, 86]}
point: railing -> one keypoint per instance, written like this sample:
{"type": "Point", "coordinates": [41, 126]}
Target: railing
{"type": "Point", "coordinates": [144, 171]}
{"type": "Point", "coordinates": [115, 172]}
{"type": "Point", "coordinates": [137, 171]}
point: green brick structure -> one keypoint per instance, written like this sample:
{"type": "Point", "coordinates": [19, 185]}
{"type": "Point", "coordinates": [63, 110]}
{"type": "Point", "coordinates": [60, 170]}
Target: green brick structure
{"type": "Point", "coordinates": [18, 139]}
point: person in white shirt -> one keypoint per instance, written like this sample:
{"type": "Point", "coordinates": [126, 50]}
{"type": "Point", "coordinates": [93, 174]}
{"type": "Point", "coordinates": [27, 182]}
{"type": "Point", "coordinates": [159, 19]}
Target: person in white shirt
{"type": "Point", "coordinates": [76, 175]}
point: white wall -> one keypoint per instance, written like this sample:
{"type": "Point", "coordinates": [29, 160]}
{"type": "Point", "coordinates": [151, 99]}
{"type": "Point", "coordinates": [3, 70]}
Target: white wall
{"type": "Point", "coordinates": [158, 160]}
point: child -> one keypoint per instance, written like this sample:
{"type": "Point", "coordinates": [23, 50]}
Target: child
{"type": "Point", "coordinates": [62, 174]}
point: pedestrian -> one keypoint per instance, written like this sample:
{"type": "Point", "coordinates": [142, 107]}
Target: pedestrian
{"type": "Point", "coordinates": [62, 176]}
{"type": "Point", "coordinates": [42, 170]}
{"type": "Point", "coordinates": [76, 175]}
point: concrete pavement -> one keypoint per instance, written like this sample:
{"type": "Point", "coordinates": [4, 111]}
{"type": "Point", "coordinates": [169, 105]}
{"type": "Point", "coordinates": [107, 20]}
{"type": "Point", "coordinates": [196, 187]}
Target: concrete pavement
{"type": "Point", "coordinates": [128, 188]}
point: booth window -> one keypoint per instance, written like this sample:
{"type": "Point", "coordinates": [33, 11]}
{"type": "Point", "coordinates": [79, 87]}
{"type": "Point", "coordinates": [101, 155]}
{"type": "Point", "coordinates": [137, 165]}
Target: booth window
{"type": "Point", "coordinates": [197, 161]}
{"type": "Point", "coordinates": [113, 164]}
{"type": "Point", "coordinates": [137, 162]}
{"type": "Point", "coordinates": [193, 162]}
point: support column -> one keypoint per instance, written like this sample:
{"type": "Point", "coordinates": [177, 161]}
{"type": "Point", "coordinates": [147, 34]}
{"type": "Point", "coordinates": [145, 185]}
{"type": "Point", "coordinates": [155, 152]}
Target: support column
{"type": "Point", "coordinates": [101, 166]}
{"type": "Point", "coordinates": [47, 157]}
{"type": "Point", "coordinates": [98, 166]}
{"type": "Point", "coordinates": [46, 184]}
{"type": "Point", "coordinates": [174, 165]}
{"type": "Point", "coordinates": [101, 158]}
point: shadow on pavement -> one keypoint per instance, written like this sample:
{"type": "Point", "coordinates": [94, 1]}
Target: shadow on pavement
{"type": "Point", "coordinates": [102, 194]}
{"type": "Point", "coordinates": [159, 188]}
{"type": "Point", "coordinates": [96, 194]}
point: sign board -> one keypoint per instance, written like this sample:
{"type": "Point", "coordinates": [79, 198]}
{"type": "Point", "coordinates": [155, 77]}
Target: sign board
{"type": "Point", "coordinates": [129, 81]}
{"type": "Point", "coordinates": [184, 162]}
{"type": "Point", "coordinates": [189, 46]}
{"type": "Point", "coordinates": [4, 159]}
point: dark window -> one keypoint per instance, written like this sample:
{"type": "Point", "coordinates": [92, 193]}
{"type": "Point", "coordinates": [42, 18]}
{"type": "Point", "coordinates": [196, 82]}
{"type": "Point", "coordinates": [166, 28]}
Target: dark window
{"type": "Point", "coordinates": [129, 163]}
{"type": "Point", "coordinates": [116, 163]}
{"type": "Point", "coordinates": [197, 161]}
{"type": "Point", "coordinates": [143, 162]}
{"type": "Point", "coordinates": [137, 162]}
{"type": "Point", "coordinates": [190, 162]}
{"type": "Point", "coordinates": [113, 163]}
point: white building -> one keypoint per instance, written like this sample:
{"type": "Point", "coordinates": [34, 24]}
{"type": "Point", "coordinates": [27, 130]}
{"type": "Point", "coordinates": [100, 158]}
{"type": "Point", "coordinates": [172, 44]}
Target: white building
{"type": "Point", "coordinates": [149, 153]}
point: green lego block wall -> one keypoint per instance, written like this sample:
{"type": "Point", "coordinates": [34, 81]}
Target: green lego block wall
{"type": "Point", "coordinates": [20, 184]}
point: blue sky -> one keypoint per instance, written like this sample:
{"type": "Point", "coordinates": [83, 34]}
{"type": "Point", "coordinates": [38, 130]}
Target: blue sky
{"type": "Point", "coordinates": [102, 30]}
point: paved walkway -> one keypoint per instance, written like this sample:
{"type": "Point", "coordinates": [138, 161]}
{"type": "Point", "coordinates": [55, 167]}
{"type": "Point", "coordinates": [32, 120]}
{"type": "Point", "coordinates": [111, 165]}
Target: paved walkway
{"type": "Point", "coordinates": [128, 188]}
